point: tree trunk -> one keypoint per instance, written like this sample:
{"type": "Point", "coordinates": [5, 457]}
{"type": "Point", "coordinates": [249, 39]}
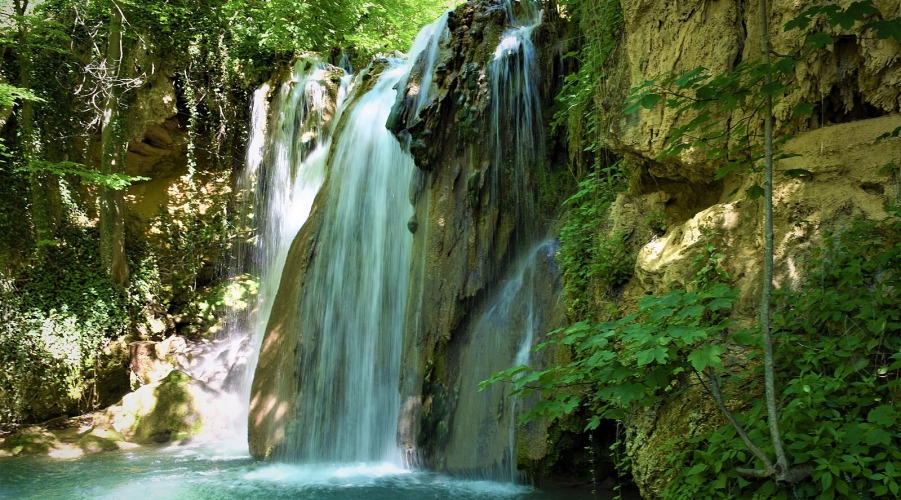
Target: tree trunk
{"type": "Point", "coordinates": [781, 465]}
{"type": "Point", "coordinates": [112, 203]}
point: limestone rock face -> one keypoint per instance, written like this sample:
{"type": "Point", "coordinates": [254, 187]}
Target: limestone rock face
{"type": "Point", "coordinates": [857, 88]}
{"type": "Point", "coordinates": [856, 79]}
{"type": "Point", "coordinates": [151, 362]}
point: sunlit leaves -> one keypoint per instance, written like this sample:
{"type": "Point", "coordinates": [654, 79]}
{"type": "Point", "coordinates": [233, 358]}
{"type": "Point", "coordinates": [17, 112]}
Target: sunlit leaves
{"type": "Point", "coordinates": [9, 94]}
{"type": "Point", "coordinates": [114, 181]}
{"type": "Point", "coordinates": [634, 360]}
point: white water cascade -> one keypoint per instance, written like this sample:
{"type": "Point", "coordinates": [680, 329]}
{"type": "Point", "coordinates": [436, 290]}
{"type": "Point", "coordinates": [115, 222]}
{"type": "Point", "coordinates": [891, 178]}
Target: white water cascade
{"type": "Point", "coordinates": [352, 313]}
{"type": "Point", "coordinates": [285, 168]}
{"type": "Point", "coordinates": [516, 111]}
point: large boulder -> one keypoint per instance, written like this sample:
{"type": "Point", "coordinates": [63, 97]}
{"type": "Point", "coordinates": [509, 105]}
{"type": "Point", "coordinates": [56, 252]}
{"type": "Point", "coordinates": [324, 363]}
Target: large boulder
{"type": "Point", "coordinates": [175, 408]}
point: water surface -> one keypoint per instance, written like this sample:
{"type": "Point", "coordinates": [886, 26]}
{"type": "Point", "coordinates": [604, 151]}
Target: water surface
{"type": "Point", "coordinates": [198, 473]}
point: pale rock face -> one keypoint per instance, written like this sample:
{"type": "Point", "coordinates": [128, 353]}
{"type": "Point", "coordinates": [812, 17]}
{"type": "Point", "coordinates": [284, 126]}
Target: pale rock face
{"type": "Point", "coordinates": [861, 83]}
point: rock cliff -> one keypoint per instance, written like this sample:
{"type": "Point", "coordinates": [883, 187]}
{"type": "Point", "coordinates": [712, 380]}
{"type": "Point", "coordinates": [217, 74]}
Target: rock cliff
{"type": "Point", "coordinates": [855, 88]}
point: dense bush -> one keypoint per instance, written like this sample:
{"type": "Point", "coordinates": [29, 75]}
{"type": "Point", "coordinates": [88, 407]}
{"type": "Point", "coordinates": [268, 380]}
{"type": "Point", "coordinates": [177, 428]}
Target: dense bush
{"type": "Point", "coordinates": [55, 320]}
{"type": "Point", "coordinates": [839, 369]}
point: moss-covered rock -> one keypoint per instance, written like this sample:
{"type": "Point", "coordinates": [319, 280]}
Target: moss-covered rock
{"type": "Point", "coordinates": [168, 410]}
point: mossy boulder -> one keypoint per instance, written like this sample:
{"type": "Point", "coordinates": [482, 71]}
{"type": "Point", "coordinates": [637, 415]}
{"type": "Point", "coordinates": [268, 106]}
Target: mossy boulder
{"type": "Point", "coordinates": [171, 409]}
{"type": "Point", "coordinates": [32, 440]}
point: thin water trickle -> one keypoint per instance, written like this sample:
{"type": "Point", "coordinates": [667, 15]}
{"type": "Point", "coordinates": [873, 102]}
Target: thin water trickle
{"type": "Point", "coordinates": [502, 337]}
{"type": "Point", "coordinates": [503, 333]}
{"type": "Point", "coordinates": [516, 114]}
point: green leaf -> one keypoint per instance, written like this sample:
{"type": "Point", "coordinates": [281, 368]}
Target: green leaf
{"type": "Point", "coordinates": [803, 109]}
{"type": "Point", "coordinates": [720, 303]}
{"type": "Point", "coordinates": [696, 469]}
{"type": "Point", "coordinates": [842, 488]}
{"type": "Point", "coordinates": [772, 88]}
{"type": "Point", "coordinates": [690, 77]}
{"type": "Point", "coordinates": [876, 436]}
{"type": "Point", "coordinates": [648, 101]}
{"type": "Point", "coordinates": [746, 337]}
{"type": "Point", "coordinates": [695, 311]}
{"type": "Point", "coordinates": [800, 22]}
{"type": "Point", "coordinates": [890, 28]}
{"type": "Point", "coordinates": [856, 12]}
{"type": "Point", "coordinates": [628, 393]}
{"type": "Point", "coordinates": [888, 135]}
{"type": "Point", "coordinates": [882, 415]}
{"type": "Point", "coordinates": [706, 355]}
{"type": "Point", "coordinates": [818, 41]}
{"type": "Point", "coordinates": [10, 94]}
{"type": "Point", "coordinates": [660, 314]}
{"type": "Point", "coordinates": [755, 192]}
{"type": "Point", "coordinates": [658, 354]}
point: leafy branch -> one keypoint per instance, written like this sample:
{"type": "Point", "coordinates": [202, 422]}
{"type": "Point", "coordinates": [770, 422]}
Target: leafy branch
{"type": "Point", "coordinates": [114, 181]}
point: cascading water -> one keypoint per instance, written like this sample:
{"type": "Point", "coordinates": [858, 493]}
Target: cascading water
{"type": "Point", "coordinates": [285, 168]}
{"type": "Point", "coordinates": [501, 337]}
{"type": "Point", "coordinates": [352, 312]}
{"type": "Point", "coordinates": [285, 179]}
{"type": "Point", "coordinates": [516, 111]}
{"type": "Point", "coordinates": [502, 332]}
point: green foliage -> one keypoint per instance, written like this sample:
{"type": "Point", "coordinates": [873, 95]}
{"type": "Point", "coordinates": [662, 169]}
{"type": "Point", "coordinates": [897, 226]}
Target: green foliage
{"type": "Point", "coordinates": [839, 359]}
{"type": "Point", "coordinates": [657, 222]}
{"type": "Point", "coordinates": [9, 94]}
{"type": "Point", "coordinates": [55, 320]}
{"type": "Point", "coordinates": [637, 360]}
{"type": "Point", "coordinates": [600, 22]}
{"type": "Point", "coordinates": [261, 30]}
{"type": "Point", "coordinates": [108, 181]}
{"type": "Point", "coordinates": [191, 242]}
{"type": "Point", "coordinates": [590, 258]}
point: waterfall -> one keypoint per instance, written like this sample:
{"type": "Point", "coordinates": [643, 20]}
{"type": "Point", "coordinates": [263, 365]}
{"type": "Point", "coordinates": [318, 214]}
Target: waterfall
{"type": "Point", "coordinates": [327, 387]}
{"type": "Point", "coordinates": [516, 112]}
{"type": "Point", "coordinates": [285, 168]}
{"type": "Point", "coordinates": [501, 336]}
{"type": "Point", "coordinates": [352, 311]}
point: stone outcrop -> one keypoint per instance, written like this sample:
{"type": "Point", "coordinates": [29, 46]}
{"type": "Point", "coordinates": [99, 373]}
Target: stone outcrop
{"type": "Point", "coordinates": [175, 408]}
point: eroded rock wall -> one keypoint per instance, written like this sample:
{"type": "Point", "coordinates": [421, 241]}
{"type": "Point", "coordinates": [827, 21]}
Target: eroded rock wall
{"type": "Point", "coordinates": [855, 86]}
{"type": "Point", "coordinates": [466, 245]}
